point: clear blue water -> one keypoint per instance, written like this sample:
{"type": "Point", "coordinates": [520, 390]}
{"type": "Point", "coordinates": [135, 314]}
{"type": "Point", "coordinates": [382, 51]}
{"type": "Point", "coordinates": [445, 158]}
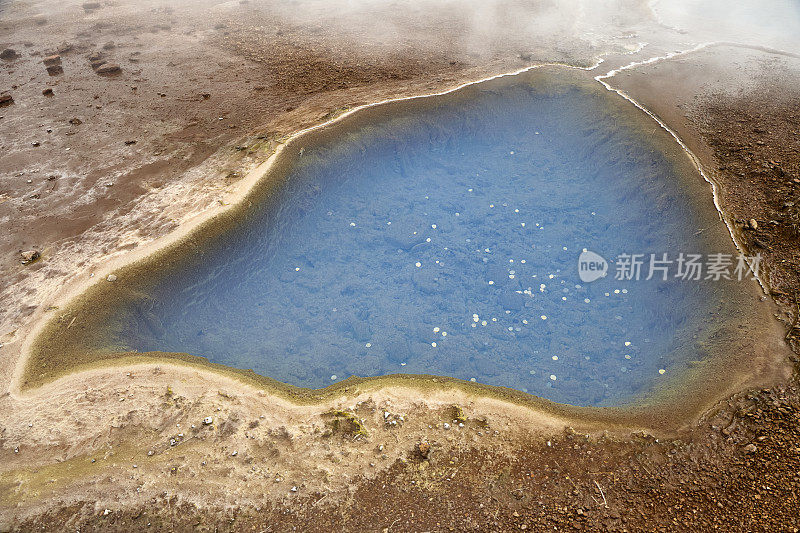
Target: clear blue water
{"type": "Point", "coordinates": [445, 242]}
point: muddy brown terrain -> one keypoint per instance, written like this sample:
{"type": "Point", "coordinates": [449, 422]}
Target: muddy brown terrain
{"type": "Point", "coordinates": [111, 160]}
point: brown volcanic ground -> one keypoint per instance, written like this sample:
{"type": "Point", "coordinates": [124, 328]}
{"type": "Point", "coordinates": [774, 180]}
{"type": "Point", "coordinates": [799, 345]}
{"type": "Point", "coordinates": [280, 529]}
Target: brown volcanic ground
{"type": "Point", "coordinates": [77, 450]}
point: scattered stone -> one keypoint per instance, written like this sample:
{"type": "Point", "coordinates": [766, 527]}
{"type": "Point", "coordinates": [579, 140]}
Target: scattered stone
{"type": "Point", "coordinates": [53, 64]}
{"type": "Point", "coordinates": [752, 224]}
{"type": "Point", "coordinates": [112, 278]}
{"type": "Point", "coordinates": [750, 448]}
{"type": "Point", "coordinates": [108, 68]}
{"type": "Point", "coordinates": [9, 54]}
{"type": "Point", "coordinates": [234, 453]}
{"type": "Point", "coordinates": [97, 63]}
{"type": "Point", "coordinates": [6, 100]}
{"type": "Point", "coordinates": [29, 256]}
{"type": "Point", "coordinates": [208, 421]}
{"type": "Point", "coordinates": [424, 449]}
{"type": "Point", "coordinates": [128, 143]}
{"type": "Point", "coordinates": [47, 92]}
{"type": "Point", "coordinates": [95, 56]}
{"type": "Point", "coordinates": [75, 121]}
{"type": "Point", "coordinates": [109, 45]}
{"type": "Point", "coordinates": [52, 60]}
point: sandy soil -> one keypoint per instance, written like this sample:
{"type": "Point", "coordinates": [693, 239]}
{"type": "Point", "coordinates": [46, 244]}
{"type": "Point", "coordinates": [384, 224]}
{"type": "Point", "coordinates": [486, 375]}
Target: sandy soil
{"type": "Point", "coordinates": [128, 447]}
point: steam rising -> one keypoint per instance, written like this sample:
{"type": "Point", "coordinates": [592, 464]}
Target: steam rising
{"type": "Point", "coordinates": [773, 23]}
{"type": "Point", "coordinates": [482, 28]}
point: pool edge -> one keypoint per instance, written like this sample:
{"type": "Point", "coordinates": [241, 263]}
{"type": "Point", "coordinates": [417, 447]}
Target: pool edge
{"type": "Point", "coordinates": [666, 411]}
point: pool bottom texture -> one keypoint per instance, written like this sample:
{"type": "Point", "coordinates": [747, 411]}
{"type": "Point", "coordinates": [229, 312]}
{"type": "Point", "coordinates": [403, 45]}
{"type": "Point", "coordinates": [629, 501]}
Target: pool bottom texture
{"type": "Point", "coordinates": [445, 241]}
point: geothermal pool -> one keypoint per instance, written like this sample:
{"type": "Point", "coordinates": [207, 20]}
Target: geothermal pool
{"type": "Point", "coordinates": [445, 241]}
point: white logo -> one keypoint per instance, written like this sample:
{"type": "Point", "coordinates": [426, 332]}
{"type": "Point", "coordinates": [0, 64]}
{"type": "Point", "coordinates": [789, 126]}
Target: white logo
{"type": "Point", "coordinates": [591, 267]}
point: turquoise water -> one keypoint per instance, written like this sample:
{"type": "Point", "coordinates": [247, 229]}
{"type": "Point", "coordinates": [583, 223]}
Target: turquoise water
{"type": "Point", "coordinates": [446, 242]}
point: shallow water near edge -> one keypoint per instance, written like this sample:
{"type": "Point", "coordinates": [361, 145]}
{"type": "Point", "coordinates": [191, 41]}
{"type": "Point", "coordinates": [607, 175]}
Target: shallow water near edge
{"type": "Point", "coordinates": [446, 242]}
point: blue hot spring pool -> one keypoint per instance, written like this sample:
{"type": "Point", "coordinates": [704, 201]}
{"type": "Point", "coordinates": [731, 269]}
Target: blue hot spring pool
{"type": "Point", "coordinates": [444, 240]}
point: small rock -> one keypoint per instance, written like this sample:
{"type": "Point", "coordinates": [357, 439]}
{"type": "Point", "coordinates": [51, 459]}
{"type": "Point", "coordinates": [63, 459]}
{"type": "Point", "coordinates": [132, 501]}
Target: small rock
{"type": "Point", "coordinates": [107, 512]}
{"type": "Point", "coordinates": [55, 70]}
{"type": "Point", "coordinates": [75, 121]}
{"type": "Point", "coordinates": [29, 256]}
{"type": "Point", "coordinates": [208, 421]}
{"type": "Point", "coordinates": [95, 56]}
{"type": "Point", "coordinates": [108, 68]}
{"type": "Point", "coordinates": [89, 6]}
{"type": "Point", "coordinates": [112, 278]}
{"type": "Point", "coordinates": [6, 100]}
{"type": "Point", "coordinates": [753, 224]}
{"type": "Point", "coordinates": [446, 425]}
{"type": "Point", "coordinates": [424, 448]}
{"type": "Point", "coordinates": [234, 453]}
{"type": "Point", "coordinates": [109, 45]}
{"type": "Point", "coordinates": [47, 92]}
{"type": "Point", "coordinates": [9, 54]}
{"type": "Point", "coordinates": [52, 60]}
{"type": "Point", "coordinates": [750, 448]}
